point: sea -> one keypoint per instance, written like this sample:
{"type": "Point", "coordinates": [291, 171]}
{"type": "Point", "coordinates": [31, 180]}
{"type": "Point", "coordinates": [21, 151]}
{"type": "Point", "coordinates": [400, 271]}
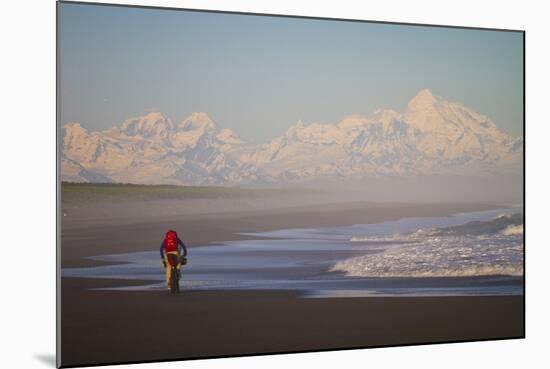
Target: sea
{"type": "Point", "coordinates": [475, 253]}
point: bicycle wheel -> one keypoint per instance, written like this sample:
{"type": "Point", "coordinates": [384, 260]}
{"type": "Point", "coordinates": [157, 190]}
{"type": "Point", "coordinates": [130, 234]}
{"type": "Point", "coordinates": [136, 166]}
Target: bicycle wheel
{"type": "Point", "coordinates": [177, 280]}
{"type": "Point", "coordinates": [174, 284]}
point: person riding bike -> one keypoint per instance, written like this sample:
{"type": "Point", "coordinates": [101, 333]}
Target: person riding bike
{"type": "Point", "coordinates": [172, 245]}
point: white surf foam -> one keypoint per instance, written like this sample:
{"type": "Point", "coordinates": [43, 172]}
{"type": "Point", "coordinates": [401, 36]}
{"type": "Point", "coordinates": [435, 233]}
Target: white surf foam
{"type": "Point", "coordinates": [513, 230]}
{"type": "Point", "coordinates": [445, 252]}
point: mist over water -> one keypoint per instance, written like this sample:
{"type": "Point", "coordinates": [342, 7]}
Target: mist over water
{"type": "Point", "coordinates": [496, 189]}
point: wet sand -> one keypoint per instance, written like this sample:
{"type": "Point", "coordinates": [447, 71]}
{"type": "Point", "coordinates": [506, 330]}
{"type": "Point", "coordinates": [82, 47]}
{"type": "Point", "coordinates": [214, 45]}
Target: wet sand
{"type": "Point", "coordinates": [112, 326]}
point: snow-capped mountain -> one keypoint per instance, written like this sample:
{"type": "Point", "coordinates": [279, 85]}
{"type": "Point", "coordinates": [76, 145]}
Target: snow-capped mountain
{"type": "Point", "coordinates": [432, 136]}
{"type": "Point", "coordinates": [151, 149]}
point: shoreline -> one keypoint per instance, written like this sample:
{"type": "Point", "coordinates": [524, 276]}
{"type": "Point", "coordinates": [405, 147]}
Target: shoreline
{"type": "Point", "coordinates": [263, 251]}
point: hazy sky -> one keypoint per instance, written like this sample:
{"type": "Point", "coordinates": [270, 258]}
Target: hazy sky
{"type": "Point", "coordinates": [259, 75]}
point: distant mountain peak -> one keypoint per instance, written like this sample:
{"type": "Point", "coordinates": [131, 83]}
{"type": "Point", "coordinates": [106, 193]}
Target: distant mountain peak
{"type": "Point", "coordinates": [352, 121]}
{"type": "Point", "coordinates": [293, 131]}
{"type": "Point", "coordinates": [423, 98]}
{"type": "Point", "coordinates": [200, 116]}
{"type": "Point", "coordinates": [73, 125]}
{"type": "Point", "coordinates": [154, 116]}
{"type": "Point", "coordinates": [197, 120]}
{"type": "Point", "coordinates": [386, 115]}
{"type": "Point", "coordinates": [74, 129]}
{"type": "Point", "coordinates": [226, 135]}
{"type": "Point", "coordinates": [148, 125]}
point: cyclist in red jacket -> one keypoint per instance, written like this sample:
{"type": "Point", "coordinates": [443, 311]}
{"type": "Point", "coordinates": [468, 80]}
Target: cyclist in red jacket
{"type": "Point", "coordinates": [172, 245]}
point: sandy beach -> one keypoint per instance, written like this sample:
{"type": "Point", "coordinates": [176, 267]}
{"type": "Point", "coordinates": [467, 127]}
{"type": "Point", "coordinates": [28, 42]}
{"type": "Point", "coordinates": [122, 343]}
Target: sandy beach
{"type": "Point", "coordinates": [105, 327]}
{"type": "Point", "coordinates": [101, 326]}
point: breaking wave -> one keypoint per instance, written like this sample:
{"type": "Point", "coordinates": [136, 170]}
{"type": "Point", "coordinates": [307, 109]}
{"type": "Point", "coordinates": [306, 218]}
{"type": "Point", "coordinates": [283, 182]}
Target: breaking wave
{"type": "Point", "coordinates": [513, 229]}
{"type": "Point", "coordinates": [477, 248]}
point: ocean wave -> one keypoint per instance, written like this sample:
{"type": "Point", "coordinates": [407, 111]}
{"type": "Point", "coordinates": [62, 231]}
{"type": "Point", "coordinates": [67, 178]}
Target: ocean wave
{"type": "Point", "coordinates": [513, 230]}
{"type": "Point", "coordinates": [506, 224]}
{"type": "Point", "coordinates": [479, 248]}
{"type": "Point", "coordinates": [474, 271]}
{"type": "Point", "coordinates": [442, 257]}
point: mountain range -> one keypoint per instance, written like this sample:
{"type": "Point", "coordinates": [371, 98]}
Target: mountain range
{"type": "Point", "coordinates": [431, 137]}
